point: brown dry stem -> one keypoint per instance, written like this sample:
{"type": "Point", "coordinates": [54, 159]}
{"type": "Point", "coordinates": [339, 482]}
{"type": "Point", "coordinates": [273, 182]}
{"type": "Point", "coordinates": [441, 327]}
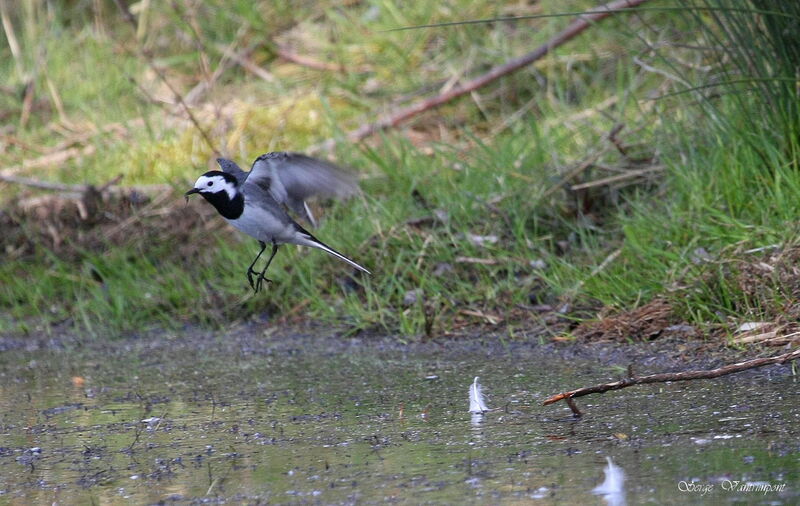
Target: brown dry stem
{"type": "Point", "coordinates": [667, 377]}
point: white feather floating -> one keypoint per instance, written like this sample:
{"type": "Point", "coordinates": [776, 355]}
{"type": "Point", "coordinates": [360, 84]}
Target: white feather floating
{"type": "Point", "coordinates": [612, 485]}
{"type": "Point", "coordinates": [477, 404]}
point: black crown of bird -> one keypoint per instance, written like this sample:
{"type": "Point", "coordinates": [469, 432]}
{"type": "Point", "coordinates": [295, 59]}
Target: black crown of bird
{"type": "Point", "coordinates": [256, 202]}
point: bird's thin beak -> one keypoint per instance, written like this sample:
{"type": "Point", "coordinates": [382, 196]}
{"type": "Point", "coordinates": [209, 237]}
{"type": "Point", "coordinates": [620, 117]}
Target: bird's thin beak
{"type": "Point", "coordinates": [193, 190]}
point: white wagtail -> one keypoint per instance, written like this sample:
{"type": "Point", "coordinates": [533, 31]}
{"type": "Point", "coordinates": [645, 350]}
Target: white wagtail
{"type": "Point", "coordinates": [253, 201]}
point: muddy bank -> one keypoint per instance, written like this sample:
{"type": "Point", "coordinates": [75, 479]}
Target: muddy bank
{"type": "Point", "coordinates": [675, 353]}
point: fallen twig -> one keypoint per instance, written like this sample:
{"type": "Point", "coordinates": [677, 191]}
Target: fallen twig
{"type": "Point", "coordinates": [393, 119]}
{"type": "Point", "coordinates": [676, 376]}
{"type": "Point", "coordinates": [770, 338]}
{"type": "Point", "coordinates": [306, 61]}
{"type": "Point", "coordinates": [78, 190]}
{"type": "Point", "coordinates": [490, 318]}
{"type": "Point", "coordinates": [619, 177]}
{"type": "Point", "coordinates": [585, 164]}
{"type": "Point", "coordinates": [473, 260]}
{"type": "Point", "coordinates": [43, 185]}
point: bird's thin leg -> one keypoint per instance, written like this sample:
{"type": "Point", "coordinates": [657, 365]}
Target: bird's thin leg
{"type": "Point", "coordinates": [261, 277]}
{"type": "Point", "coordinates": [250, 270]}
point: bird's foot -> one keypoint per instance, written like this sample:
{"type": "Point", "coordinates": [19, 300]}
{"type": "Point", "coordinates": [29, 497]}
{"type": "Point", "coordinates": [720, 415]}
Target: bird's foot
{"type": "Point", "coordinates": [250, 274]}
{"type": "Point", "coordinates": [260, 281]}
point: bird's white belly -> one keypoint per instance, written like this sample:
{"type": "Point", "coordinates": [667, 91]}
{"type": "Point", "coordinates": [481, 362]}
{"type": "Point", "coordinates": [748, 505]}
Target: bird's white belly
{"type": "Point", "coordinates": [263, 225]}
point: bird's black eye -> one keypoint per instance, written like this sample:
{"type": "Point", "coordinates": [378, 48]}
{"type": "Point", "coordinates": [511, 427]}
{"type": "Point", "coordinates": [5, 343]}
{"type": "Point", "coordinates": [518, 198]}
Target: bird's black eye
{"type": "Point", "coordinates": [210, 183]}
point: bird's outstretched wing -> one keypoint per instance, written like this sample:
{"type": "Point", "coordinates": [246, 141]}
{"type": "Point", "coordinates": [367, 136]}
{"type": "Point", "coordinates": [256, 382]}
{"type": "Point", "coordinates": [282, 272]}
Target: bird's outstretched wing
{"type": "Point", "coordinates": [292, 178]}
{"type": "Point", "coordinates": [231, 168]}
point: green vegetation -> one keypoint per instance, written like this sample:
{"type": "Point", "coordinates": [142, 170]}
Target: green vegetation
{"type": "Point", "coordinates": [702, 169]}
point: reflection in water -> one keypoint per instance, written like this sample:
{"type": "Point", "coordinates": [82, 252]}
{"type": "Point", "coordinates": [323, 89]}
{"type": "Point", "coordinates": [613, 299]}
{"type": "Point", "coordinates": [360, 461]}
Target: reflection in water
{"type": "Point", "coordinates": [612, 488]}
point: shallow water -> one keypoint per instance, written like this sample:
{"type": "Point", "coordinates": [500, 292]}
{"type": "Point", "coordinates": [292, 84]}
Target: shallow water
{"type": "Point", "coordinates": [232, 419]}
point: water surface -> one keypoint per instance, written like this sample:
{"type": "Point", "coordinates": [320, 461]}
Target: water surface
{"type": "Point", "coordinates": [299, 419]}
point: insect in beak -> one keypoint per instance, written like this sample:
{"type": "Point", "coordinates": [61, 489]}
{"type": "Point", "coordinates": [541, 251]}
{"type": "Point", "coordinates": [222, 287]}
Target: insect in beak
{"type": "Point", "coordinates": [193, 190]}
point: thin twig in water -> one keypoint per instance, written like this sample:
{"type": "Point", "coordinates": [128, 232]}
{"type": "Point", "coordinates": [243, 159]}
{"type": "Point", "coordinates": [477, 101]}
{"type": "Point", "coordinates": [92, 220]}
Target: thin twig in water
{"type": "Point", "coordinates": [160, 419]}
{"type": "Point", "coordinates": [676, 376]}
{"type": "Point", "coordinates": [573, 407]}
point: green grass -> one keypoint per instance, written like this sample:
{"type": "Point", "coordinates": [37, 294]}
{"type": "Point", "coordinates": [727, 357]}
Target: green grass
{"type": "Point", "coordinates": [491, 165]}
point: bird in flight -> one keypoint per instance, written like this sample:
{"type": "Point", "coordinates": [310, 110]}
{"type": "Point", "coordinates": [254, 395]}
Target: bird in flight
{"type": "Point", "coordinates": [255, 202]}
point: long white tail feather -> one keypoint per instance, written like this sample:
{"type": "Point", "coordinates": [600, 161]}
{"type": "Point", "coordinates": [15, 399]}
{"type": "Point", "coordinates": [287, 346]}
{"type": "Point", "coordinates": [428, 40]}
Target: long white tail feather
{"type": "Point", "coordinates": [310, 240]}
{"type": "Point", "coordinates": [477, 404]}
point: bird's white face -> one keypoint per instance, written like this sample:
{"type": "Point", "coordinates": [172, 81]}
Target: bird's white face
{"type": "Point", "coordinates": [215, 184]}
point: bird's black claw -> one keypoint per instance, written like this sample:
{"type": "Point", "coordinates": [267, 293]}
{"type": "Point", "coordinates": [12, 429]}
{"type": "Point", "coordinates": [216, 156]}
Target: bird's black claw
{"type": "Point", "coordinates": [250, 273]}
{"type": "Point", "coordinates": [260, 281]}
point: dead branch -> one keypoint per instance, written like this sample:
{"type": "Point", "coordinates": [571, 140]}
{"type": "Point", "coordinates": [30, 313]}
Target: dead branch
{"type": "Point", "coordinates": [677, 376]}
{"type": "Point", "coordinates": [393, 119]}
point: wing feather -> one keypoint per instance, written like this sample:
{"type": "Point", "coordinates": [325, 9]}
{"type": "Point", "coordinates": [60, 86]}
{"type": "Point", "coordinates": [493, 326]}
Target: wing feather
{"type": "Point", "coordinates": [231, 168]}
{"type": "Point", "coordinates": [293, 178]}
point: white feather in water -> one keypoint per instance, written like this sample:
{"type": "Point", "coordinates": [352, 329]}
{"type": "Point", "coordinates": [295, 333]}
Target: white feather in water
{"type": "Point", "coordinates": [477, 404]}
{"type": "Point", "coordinates": [612, 487]}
